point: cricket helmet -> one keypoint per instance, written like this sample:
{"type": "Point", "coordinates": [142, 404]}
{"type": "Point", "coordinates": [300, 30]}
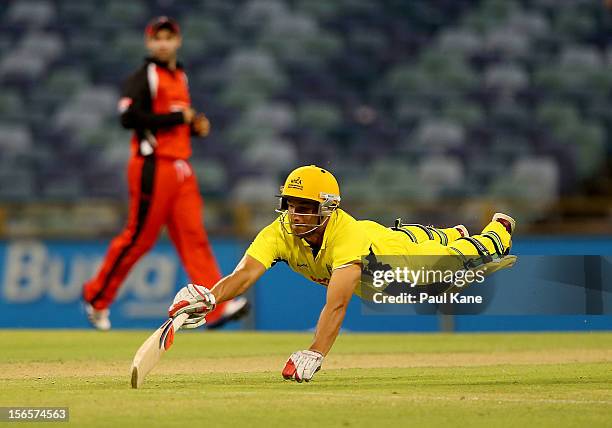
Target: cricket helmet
{"type": "Point", "coordinates": [311, 183]}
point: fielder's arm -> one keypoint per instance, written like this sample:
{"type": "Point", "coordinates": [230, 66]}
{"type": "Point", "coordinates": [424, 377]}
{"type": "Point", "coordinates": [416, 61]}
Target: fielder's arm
{"type": "Point", "coordinates": [136, 108]}
{"type": "Point", "coordinates": [246, 273]}
{"type": "Point", "coordinates": [339, 291]}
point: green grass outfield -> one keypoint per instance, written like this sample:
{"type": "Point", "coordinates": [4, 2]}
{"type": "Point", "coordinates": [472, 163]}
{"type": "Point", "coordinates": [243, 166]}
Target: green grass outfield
{"type": "Point", "coordinates": [233, 379]}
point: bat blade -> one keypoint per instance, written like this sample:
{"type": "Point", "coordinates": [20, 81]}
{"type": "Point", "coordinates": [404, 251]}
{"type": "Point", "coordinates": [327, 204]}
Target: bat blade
{"type": "Point", "coordinates": [150, 352]}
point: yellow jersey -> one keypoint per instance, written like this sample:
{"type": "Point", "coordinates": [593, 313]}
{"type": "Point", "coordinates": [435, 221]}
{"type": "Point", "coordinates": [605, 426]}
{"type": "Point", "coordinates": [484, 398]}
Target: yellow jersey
{"type": "Point", "coordinates": [345, 241]}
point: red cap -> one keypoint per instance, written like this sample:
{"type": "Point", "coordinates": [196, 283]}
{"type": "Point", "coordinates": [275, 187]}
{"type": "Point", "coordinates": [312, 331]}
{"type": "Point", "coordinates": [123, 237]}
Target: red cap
{"type": "Point", "coordinates": [162, 22]}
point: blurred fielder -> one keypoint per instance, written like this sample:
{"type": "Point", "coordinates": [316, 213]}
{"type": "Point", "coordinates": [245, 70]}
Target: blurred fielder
{"type": "Point", "coordinates": [326, 245]}
{"type": "Point", "coordinates": [162, 185]}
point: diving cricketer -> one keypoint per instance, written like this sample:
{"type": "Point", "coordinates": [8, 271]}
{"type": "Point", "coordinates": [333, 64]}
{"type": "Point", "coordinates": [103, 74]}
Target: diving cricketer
{"type": "Point", "coordinates": [325, 244]}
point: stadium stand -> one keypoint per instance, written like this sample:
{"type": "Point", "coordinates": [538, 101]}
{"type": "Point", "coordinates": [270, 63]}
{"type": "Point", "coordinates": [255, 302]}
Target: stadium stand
{"type": "Point", "coordinates": [468, 98]}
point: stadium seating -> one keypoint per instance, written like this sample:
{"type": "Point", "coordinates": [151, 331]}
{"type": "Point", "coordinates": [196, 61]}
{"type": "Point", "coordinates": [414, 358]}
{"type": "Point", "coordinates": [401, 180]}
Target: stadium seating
{"type": "Point", "coordinates": [350, 84]}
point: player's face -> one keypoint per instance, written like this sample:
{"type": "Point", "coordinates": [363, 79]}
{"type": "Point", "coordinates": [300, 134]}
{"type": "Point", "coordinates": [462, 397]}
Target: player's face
{"type": "Point", "coordinates": [302, 215]}
{"type": "Point", "coordinates": [163, 45]}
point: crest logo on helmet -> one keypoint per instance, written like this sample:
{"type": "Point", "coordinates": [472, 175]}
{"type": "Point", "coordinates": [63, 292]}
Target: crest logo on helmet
{"type": "Point", "coordinates": [296, 183]}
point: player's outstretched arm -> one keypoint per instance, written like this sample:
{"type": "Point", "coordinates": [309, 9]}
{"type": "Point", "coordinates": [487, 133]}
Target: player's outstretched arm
{"type": "Point", "coordinates": [197, 300]}
{"type": "Point", "coordinates": [246, 273]}
{"type": "Point", "coordinates": [339, 291]}
{"type": "Point", "coordinates": [302, 365]}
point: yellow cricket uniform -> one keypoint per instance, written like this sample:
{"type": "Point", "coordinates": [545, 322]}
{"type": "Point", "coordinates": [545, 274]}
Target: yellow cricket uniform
{"type": "Point", "coordinates": [347, 240]}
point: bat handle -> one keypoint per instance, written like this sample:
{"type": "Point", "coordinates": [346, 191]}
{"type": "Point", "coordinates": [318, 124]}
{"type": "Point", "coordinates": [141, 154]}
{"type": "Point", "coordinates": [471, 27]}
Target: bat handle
{"type": "Point", "coordinates": [178, 321]}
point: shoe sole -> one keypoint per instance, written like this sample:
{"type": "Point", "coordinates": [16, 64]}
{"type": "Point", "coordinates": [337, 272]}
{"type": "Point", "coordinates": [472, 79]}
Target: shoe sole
{"type": "Point", "coordinates": [466, 233]}
{"type": "Point", "coordinates": [507, 218]}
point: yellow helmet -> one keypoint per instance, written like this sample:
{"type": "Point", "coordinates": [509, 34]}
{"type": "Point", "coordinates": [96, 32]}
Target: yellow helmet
{"type": "Point", "coordinates": [312, 183]}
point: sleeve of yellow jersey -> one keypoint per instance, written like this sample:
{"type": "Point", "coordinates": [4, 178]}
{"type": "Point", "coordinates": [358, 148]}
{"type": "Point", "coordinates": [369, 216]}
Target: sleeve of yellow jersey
{"type": "Point", "coordinates": [350, 244]}
{"type": "Point", "coordinates": [264, 247]}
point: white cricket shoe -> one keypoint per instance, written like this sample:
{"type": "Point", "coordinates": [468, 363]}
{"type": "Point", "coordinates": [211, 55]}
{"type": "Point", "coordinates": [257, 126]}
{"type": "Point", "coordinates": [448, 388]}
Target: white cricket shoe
{"type": "Point", "coordinates": [462, 230]}
{"type": "Point", "coordinates": [98, 317]}
{"type": "Point", "coordinates": [506, 220]}
{"type": "Point", "coordinates": [235, 309]}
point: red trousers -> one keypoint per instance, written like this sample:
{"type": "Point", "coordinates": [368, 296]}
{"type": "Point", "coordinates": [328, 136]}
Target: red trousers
{"type": "Point", "coordinates": [163, 191]}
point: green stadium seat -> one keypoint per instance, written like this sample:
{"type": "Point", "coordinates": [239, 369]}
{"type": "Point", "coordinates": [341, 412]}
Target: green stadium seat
{"type": "Point", "coordinates": [589, 138]}
{"type": "Point", "coordinates": [464, 112]}
{"type": "Point", "coordinates": [507, 78]}
{"type": "Point", "coordinates": [441, 174]}
{"type": "Point", "coordinates": [32, 13]}
{"type": "Point", "coordinates": [510, 146]}
{"type": "Point", "coordinates": [21, 65]}
{"type": "Point", "coordinates": [405, 81]}
{"type": "Point", "coordinates": [242, 95]}
{"type": "Point", "coordinates": [318, 117]}
{"type": "Point", "coordinates": [212, 176]}
{"type": "Point", "coordinates": [572, 23]}
{"type": "Point", "coordinates": [498, 10]}
{"type": "Point", "coordinates": [87, 46]}
{"type": "Point", "coordinates": [47, 45]}
{"type": "Point", "coordinates": [128, 13]}
{"type": "Point", "coordinates": [492, 14]}
{"type": "Point", "coordinates": [66, 81]}
{"type": "Point", "coordinates": [202, 33]}
{"type": "Point", "coordinates": [251, 77]}
{"type": "Point", "coordinates": [260, 13]}
{"type": "Point", "coordinates": [116, 151]}
{"type": "Point", "coordinates": [534, 181]}
{"type": "Point", "coordinates": [17, 185]}
{"type": "Point", "coordinates": [449, 76]}
{"type": "Point", "coordinates": [15, 138]}
{"type": "Point", "coordinates": [509, 115]}
{"type": "Point", "coordinates": [76, 12]}
{"type": "Point", "coordinates": [460, 41]}
{"type": "Point", "coordinates": [63, 189]}
{"type": "Point", "coordinates": [508, 43]}
{"type": "Point", "coordinates": [530, 23]}
{"type": "Point", "coordinates": [12, 107]}
{"type": "Point", "coordinates": [128, 48]}
{"type": "Point", "coordinates": [319, 9]}
{"type": "Point", "coordinates": [439, 134]}
{"type": "Point", "coordinates": [255, 190]}
{"type": "Point", "coordinates": [271, 154]}
{"type": "Point", "coordinates": [559, 117]}
{"type": "Point", "coordinates": [278, 116]}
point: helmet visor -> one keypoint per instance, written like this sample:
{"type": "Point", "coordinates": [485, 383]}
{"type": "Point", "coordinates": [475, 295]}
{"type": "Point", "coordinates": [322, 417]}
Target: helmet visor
{"type": "Point", "coordinates": [300, 217]}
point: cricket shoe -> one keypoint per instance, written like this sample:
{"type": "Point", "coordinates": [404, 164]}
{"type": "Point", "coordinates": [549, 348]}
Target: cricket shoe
{"type": "Point", "coordinates": [234, 310]}
{"type": "Point", "coordinates": [462, 230]}
{"type": "Point", "coordinates": [507, 221]}
{"type": "Point", "coordinates": [98, 318]}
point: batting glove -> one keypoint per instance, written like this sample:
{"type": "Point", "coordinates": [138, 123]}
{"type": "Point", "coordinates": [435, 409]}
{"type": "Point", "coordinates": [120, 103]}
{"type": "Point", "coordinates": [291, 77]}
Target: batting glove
{"type": "Point", "coordinates": [194, 321]}
{"type": "Point", "coordinates": [302, 365]}
{"type": "Point", "coordinates": [195, 300]}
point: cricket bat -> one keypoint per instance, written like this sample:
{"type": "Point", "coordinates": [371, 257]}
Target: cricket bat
{"type": "Point", "coordinates": [153, 348]}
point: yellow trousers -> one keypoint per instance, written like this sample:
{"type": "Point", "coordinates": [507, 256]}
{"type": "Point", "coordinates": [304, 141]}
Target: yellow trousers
{"type": "Point", "coordinates": [430, 248]}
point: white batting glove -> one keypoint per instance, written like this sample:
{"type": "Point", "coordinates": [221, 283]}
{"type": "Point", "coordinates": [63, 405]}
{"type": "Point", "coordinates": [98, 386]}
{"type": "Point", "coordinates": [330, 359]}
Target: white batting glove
{"type": "Point", "coordinates": [302, 365]}
{"type": "Point", "coordinates": [195, 300]}
{"type": "Point", "coordinates": [194, 321]}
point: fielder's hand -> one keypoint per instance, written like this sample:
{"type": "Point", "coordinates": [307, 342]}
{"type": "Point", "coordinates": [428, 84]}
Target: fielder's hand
{"type": "Point", "coordinates": [189, 115]}
{"type": "Point", "coordinates": [195, 300]}
{"type": "Point", "coordinates": [200, 125]}
{"type": "Point", "coordinates": [302, 365]}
